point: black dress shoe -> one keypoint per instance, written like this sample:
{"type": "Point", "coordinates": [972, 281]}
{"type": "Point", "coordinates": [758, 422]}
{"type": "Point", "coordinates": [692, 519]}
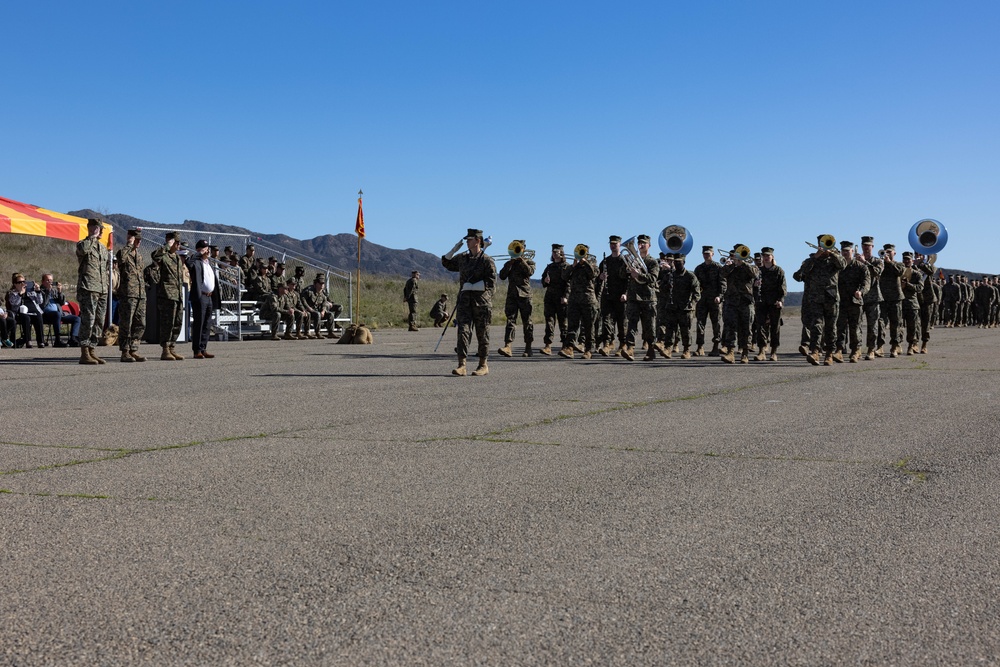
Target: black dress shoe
{"type": "Point", "coordinates": [42, 343]}
{"type": "Point", "coordinates": [59, 343]}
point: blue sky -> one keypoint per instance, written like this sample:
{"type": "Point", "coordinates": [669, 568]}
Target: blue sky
{"type": "Point", "coordinates": [764, 123]}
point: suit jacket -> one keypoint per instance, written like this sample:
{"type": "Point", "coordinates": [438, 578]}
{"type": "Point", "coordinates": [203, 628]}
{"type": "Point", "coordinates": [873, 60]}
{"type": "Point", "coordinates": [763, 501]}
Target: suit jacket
{"type": "Point", "coordinates": [197, 269]}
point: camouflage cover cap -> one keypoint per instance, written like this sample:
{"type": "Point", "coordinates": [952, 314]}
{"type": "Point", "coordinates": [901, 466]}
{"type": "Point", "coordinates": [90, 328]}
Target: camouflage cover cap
{"type": "Point", "coordinates": [557, 246]}
{"type": "Point", "coordinates": [134, 232]}
{"type": "Point", "coordinates": [888, 246]}
{"type": "Point", "coordinates": [614, 239]}
{"type": "Point", "coordinates": [707, 248]}
{"type": "Point", "coordinates": [867, 240]}
{"type": "Point", "coordinates": [642, 238]}
{"type": "Point", "coordinates": [766, 251]}
{"type": "Point", "coordinates": [474, 234]}
{"type": "Point", "coordinates": [846, 245]}
{"type": "Point", "coordinates": [907, 254]}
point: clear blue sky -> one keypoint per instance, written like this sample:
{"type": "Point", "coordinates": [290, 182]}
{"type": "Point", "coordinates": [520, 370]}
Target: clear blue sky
{"type": "Point", "coordinates": [765, 123]}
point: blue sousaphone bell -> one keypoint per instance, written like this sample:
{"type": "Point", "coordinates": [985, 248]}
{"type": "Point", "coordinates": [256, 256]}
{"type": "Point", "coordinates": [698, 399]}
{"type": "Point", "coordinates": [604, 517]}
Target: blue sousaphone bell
{"type": "Point", "coordinates": [675, 239]}
{"type": "Point", "coordinates": [928, 236]}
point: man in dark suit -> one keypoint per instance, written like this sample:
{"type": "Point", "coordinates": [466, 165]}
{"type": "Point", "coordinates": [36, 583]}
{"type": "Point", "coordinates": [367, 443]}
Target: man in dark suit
{"type": "Point", "coordinates": [205, 298]}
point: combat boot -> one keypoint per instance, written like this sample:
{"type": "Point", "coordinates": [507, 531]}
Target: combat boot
{"type": "Point", "coordinates": [166, 356]}
{"type": "Point", "coordinates": [837, 356]}
{"type": "Point", "coordinates": [173, 353]}
{"type": "Point", "coordinates": [813, 357]}
{"type": "Point", "coordinates": [828, 361]}
{"type": "Point", "coordinates": [855, 355]}
{"type": "Point", "coordinates": [715, 350]}
{"type": "Point", "coordinates": [482, 368]}
{"type": "Point", "coordinates": [686, 354]}
{"type": "Point", "coordinates": [699, 351]}
{"type": "Point", "coordinates": [506, 351]}
{"type": "Point", "coordinates": [626, 353]}
{"type": "Point", "coordinates": [894, 351]}
{"type": "Point", "coordinates": [587, 354]}
{"type": "Point", "coordinates": [870, 355]}
{"type": "Point", "coordinates": [923, 349]}
{"type": "Point", "coordinates": [578, 347]}
{"type": "Point", "coordinates": [527, 351]}
{"type": "Point", "coordinates": [650, 352]}
{"type": "Point", "coordinates": [93, 355]}
{"type": "Point", "coordinates": [663, 350]}
{"type": "Point", "coordinates": [760, 354]}
{"type": "Point", "coordinates": [547, 350]}
{"type": "Point", "coordinates": [135, 355]}
{"type": "Point", "coordinates": [745, 356]}
{"type": "Point", "coordinates": [461, 367]}
{"type": "Point", "coordinates": [803, 350]}
{"type": "Point", "coordinates": [729, 357]}
{"type": "Point", "coordinates": [566, 352]}
{"type": "Point", "coordinates": [604, 350]}
{"type": "Point", "coordinates": [85, 357]}
{"type": "Point", "coordinates": [774, 354]}
{"type": "Point", "coordinates": [413, 327]}
{"type": "Point", "coordinates": [126, 357]}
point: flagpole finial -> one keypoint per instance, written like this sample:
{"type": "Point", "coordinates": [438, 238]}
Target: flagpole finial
{"type": "Point", "coordinates": [360, 192]}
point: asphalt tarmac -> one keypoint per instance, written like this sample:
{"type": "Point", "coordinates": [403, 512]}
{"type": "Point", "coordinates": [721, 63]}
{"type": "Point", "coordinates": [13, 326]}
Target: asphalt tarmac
{"type": "Point", "coordinates": [307, 503]}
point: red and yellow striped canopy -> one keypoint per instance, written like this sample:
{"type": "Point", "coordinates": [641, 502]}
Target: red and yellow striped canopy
{"type": "Point", "coordinates": [18, 218]}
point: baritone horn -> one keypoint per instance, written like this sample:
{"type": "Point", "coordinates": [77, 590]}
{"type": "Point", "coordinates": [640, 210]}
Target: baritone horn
{"type": "Point", "coordinates": [826, 242]}
{"type": "Point", "coordinates": [928, 236]}
{"type": "Point", "coordinates": [631, 256]}
{"type": "Point", "coordinates": [675, 239]}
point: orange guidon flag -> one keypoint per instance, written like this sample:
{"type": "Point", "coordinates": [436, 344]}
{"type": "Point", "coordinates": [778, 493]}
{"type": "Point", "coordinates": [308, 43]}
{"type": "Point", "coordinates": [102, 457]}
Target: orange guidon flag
{"type": "Point", "coordinates": [359, 224]}
{"type": "Point", "coordinates": [20, 218]}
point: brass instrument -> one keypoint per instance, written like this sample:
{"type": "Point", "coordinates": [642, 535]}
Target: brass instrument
{"type": "Point", "coordinates": [633, 260]}
{"type": "Point", "coordinates": [826, 242]}
{"type": "Point", "coordinates": [516, 249]}
{"type": "Point", "coordinates": [928, 236]}
{"type": "Point", "coordinates": [675, 239]}
{"type": "Point", "coordinates": [582, 251]}
{"type": "Point", "coordinates": [740, 252]}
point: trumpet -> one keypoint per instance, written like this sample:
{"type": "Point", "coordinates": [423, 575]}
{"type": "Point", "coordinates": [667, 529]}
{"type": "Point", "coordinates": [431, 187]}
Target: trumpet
{"type": "Point", "coordinates": [631, 256]}
{"type": "Point", "coordinates": [740, 252]}
{"type": "Point", "coordinates": [582, 251]}
{"type": "Point", "coordinates": [826, 242]}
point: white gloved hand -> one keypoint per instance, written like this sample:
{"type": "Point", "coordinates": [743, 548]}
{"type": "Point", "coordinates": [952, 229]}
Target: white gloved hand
{"type": "Point", "coordinates": [474, 287]}
{"type": "Point", "coordinates": [458, 246]}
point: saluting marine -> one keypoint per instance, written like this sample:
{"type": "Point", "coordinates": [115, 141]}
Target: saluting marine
{"type": "Point", "coordinates": [478, 275]}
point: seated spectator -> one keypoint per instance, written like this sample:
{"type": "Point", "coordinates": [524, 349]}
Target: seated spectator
{"type": "Point", "coordinates": [317, 306]}
{"type": "Point", "coordinates": [22, 303]}
{"type": "Point", "coordinates": [53, 301]}
{"type": "Point", "coordinates": [8, 327]}
{"type": "Point", "coordinates": [277, 307]}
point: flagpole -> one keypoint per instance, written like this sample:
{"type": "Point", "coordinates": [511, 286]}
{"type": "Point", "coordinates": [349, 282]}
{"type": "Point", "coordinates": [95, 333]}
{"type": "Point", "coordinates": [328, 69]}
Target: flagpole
{"type": "Point", "coordinates": [359, 229]}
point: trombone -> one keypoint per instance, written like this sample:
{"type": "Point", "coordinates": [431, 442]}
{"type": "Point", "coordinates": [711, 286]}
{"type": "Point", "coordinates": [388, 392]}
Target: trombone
{"type": "Point", "coordinates": [582, 251]}
{"type": "Point", "coordinates": [515, 250]}
{"type": "Point", "coordinates": [826, 242]}
{"type": "Point", "coordinates": [740, 252]}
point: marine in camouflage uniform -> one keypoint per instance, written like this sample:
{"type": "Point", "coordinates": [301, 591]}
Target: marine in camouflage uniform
{"type": "Point", "coordinates": [581, 310]}
{"type": "Point", "coordinates": [259, 284]}
{"type": "Point", "coordinates": [823, 296]}
{"type": "Point", "coordinates": [913, 286]}
{"type": "Point", "coordinates": [247, 263]}
{"type": "Point", "coordinates": [984, 303]}
{"type": "Point", "coordinates": [713, 286]}
{"type": "Point", "coordinates": [169, 295]}
{"type": "Point", "coordinates": [612, 297]}
{"type": "Point", "coordinates": [478, 276]}
{"type": "Point", "coordinates": [280, 307]}
{"type": "Point", "coordinates": [929, 299]}
{"type": "Point", "coordinates": [853, 282]}
{"type": "Point", "coordinates": [874, 333]}
{"type": "Point", "coordinates": [293, 300]}
{"type": "Point", "coordinates": [892, 296]}
{"type": "Point", "coordinates": [684, 294]}
{"type": "Point", "coordinates": [640, 303]}
{"type": "Point", "coordinates": [91, 291]}
{"type": "Point", "coordinates": [664, 285]}
{"type": "Point", "coordinates": [315, 303]}
{"type": "Point", "coordinates": [556, 299]}
{"type": "Point", "coordinates": [950, 294]}
{"type": "Point", "coordinates": [517, 271]}
{"type": "Point", "coordinates": [738, 307]}
{"type": "Point", "coordinates": [410, 299]}
{"type": "Point", "coordinates": [131, 295]}
{"type": "Point", "coordinates": [773, 290]}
